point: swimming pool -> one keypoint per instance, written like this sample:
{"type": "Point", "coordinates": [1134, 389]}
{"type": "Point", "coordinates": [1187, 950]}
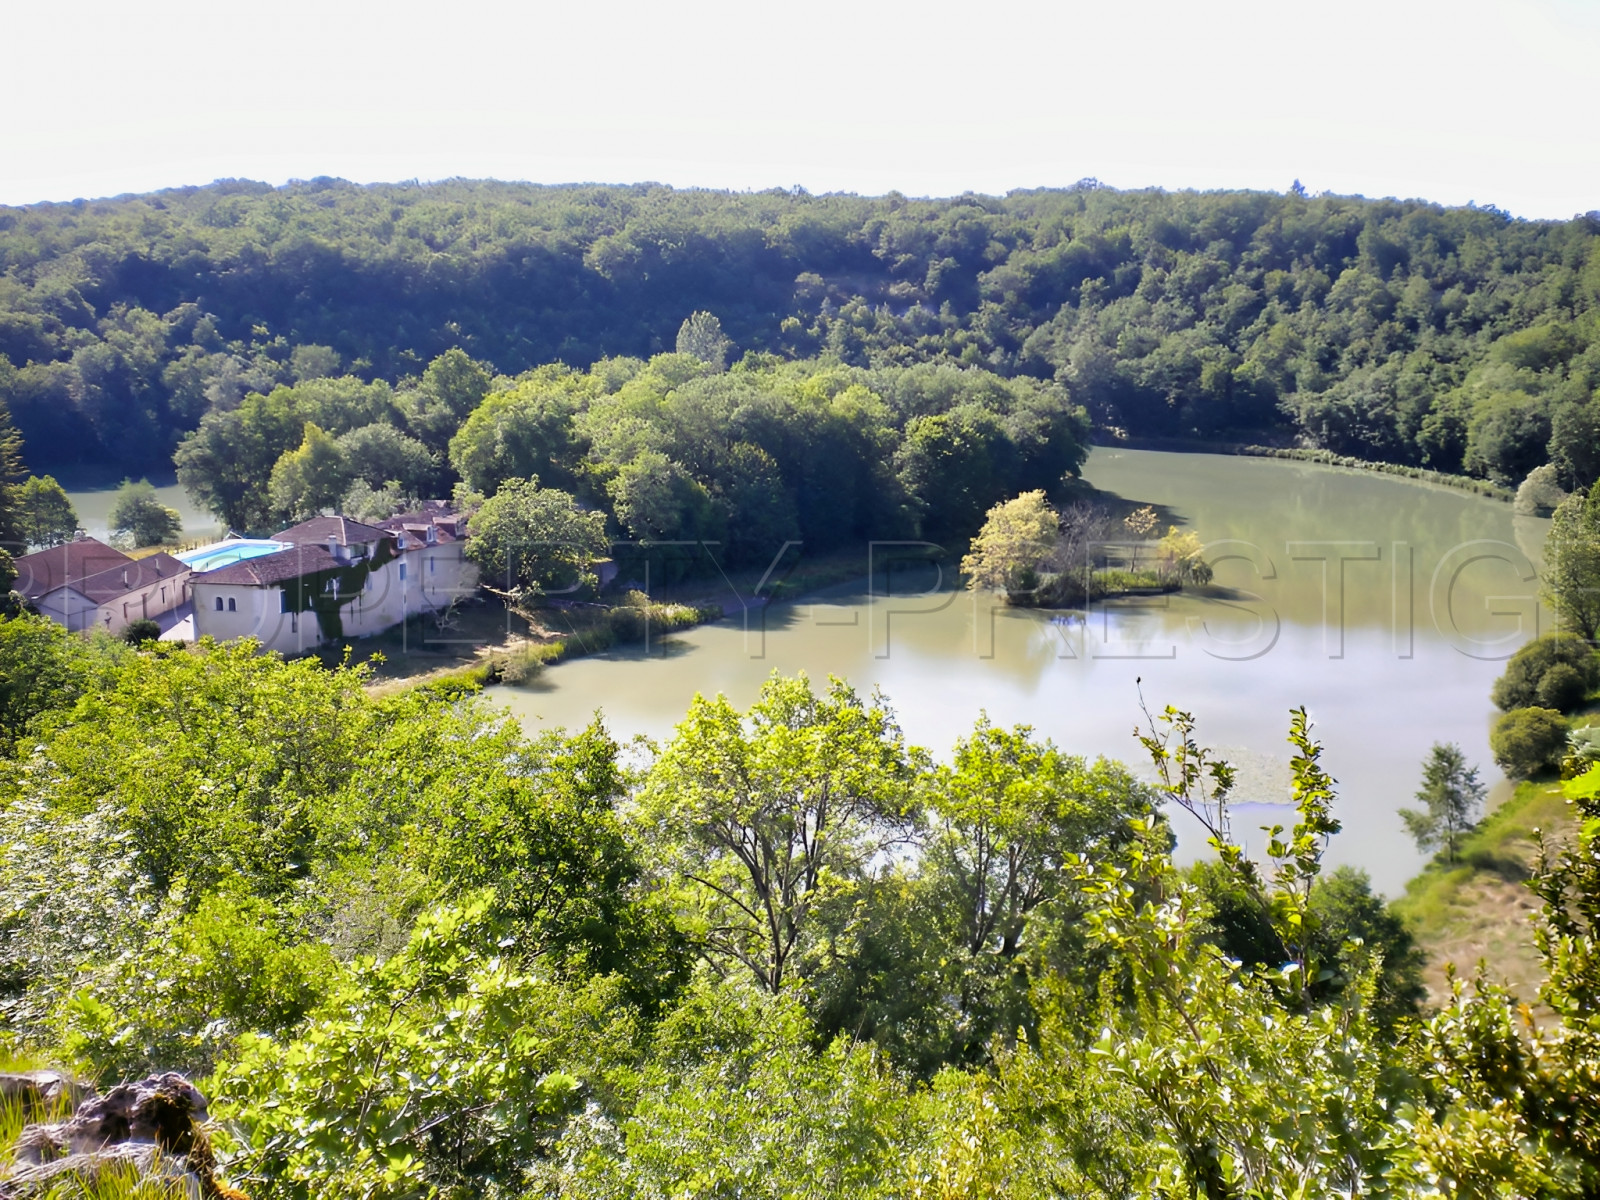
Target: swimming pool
{"type": "Point", "coordinates": [225, 554]}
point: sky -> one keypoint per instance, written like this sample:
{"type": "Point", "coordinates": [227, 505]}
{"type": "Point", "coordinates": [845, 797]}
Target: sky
{"type": "Point", "coordinates": [1457, 101]}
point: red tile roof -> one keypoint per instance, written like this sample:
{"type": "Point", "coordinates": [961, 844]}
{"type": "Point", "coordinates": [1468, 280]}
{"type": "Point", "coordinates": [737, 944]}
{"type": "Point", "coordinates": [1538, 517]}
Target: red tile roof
{"type": "Point", "coordinates": [45, 570]}
{"type": "Point", "coordinates": [298, 561]}
{"type": "Point", "coordinates": [132, 576]}
{"type": "Point", "coordinates": [342, 530]}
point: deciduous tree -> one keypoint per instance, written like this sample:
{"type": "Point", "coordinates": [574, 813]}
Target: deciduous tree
{"type": "Point", "coordinates": [1015, 541]}
{"type": "Point", "coordinates": [1453, 797]}
{"type": "Point", "coordinates": [531, 540]}
{"type": "Point", "coordinates": [1572, 562]}
{"type": "Point", "coordinates": [757, 816]}
{"type": "Point", "coordinates": [45, 516]}
{"type": "Point", "coordinates": [137, 516]}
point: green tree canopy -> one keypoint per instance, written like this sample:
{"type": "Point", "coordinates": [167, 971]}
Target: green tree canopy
{"type": "Point", "coordinates": [311, 479]}
{"type": "Point", "coordinates": [44, 514]}
{"type": "Point", "coordinates": [1452, 795]}
{"type": "Point", "coordinates": [531, 539]}
{"type": "Point", "coordinates": [1014, 543]}
{"type": "Point", "coordinates": [1572, 563]}
{"type": "Point", "coordinates": [760, 815]}
{"type": "Point", "coordinates": [137, 516]}
{"type": "Point", "coordinates": [700, 336]}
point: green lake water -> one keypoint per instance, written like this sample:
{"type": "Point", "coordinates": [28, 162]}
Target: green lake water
{"type": "Point", "coordinates": [92, 497]}
{"type": "Point", "coordinates": [1385, 606]}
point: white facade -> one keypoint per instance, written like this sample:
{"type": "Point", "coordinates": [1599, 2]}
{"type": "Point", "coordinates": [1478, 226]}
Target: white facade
{"type": "Point", "coordinates": [85, 605]}
{"type": "Point", "coordinates": [422, 578]}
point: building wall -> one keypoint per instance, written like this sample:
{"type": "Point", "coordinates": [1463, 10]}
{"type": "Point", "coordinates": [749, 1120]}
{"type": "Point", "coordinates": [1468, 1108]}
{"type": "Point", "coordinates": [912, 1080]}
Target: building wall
{"type": "Point", "coordinates": [434, 576]}
{"type": "Point", "coordinates": [69, 607]}
{"type": "Point", "coordinates": [255, 612]}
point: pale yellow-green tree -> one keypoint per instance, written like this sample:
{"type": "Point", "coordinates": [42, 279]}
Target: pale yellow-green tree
{"type": "Point", "coordinates": [310, 479]}
{"type": "Point", "coordinates": [1015, 540]}
{"type": "Point", "coordinates": [1180, 553]}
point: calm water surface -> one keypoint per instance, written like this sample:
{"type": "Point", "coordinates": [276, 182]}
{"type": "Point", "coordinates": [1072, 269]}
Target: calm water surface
{"type": "Point", "coordinates": [92, 498]}
{"type": "Point", "coordinates": [1384, 606]}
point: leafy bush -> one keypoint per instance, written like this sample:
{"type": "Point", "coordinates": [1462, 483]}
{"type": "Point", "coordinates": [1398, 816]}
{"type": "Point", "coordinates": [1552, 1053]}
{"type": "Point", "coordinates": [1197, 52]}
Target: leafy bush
{"type": "Point", "coordinates": [1519, 686]}
{"type": "Point", "coordinates": [51, 934]}
{"type": "Point", "coordinates": [1526, 741]}
{"type": "Point", "coordinates": [136, 633]}
{"type": "Point", "coordinates": [201, 981]}
{"type": "Point", "coordinates": [447, 1071]}
{"type": "Point", "coordinates": [1562, 688]}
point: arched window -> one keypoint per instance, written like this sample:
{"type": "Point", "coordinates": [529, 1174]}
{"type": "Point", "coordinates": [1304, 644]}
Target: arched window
{"type": "Point", "coordinates": [231, 606]}
{"type": "Point", "coordinates": [219, 603]}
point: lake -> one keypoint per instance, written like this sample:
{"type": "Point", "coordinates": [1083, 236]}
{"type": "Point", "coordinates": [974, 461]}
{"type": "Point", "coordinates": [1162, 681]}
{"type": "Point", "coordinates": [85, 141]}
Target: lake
{"type": "Point", "coordinates": [92, 496]}
{"type": "Point", "coordinates": [1383, 605]}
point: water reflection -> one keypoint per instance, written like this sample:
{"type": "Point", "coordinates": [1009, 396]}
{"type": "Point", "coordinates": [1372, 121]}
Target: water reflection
{"type": "Point", "coordinates": [1383, 605]}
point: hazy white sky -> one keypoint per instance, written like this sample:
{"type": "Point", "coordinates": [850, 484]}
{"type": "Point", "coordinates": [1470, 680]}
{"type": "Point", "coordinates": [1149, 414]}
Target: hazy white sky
{"type": "Point", "coordinates": [1453, 100]}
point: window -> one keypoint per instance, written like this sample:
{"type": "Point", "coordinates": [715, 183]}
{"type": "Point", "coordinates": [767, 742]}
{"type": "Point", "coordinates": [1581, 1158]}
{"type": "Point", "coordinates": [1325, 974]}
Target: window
{"type": "Point", "coordinates": [402, 572]}
{"type": "Point", "coordinates": [430, 564]}
{"type": "Point", "coordinates": [231, 606]}
{"type": "Point", "coordinates": [163, 595]}
{"type": "Point", "coordinates": [219, 603]}
{"type": "Point", "coordinates": [283, 602]}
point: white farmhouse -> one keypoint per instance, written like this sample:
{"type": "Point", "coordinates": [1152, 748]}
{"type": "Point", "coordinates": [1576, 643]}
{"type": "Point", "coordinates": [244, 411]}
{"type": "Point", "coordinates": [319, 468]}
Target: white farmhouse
{"type": "Point", "coordinates": [86, 584]}
{"type": "Point", "coordinates": [330, 579]}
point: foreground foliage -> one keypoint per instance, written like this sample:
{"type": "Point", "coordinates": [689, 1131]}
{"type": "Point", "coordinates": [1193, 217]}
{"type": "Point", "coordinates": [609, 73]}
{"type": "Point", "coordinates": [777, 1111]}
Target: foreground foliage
{"type": "Point", "coordinates": [786, 954]}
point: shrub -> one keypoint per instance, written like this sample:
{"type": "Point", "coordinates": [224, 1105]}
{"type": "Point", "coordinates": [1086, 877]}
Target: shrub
{"type": "Point", "coordinates": [137, 633]}
{"type": "Point", "coordinates": [205, 979]}
{"type": "Point", "coordinates": [1527, 740]}
{"type": "Point", "coordinates": [1540, 492]}
{"type": "Point", "coordinates": [1563, 688]}
{"type": "Point", "coordinates": [1519, 686]}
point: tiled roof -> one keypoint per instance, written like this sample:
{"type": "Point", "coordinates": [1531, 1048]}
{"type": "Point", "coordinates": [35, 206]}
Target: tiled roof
{"type": "Point", "coordinates": [45, 570]}
{"type": "Point", "coordinates": [444, 520]}
{"type": "Point", "coordinates": [132, 576]}
{"type": "Point", "coordinates": [306, 559]}
{"type": "Point", "coordinates": [342, 530]}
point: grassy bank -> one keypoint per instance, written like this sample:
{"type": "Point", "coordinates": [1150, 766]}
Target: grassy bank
{"type": "Point", "coordinates": [485, 642]}
{"type": "Point", "coordinates": [1464, 483]}
{"type": "Point", "coordinates": [490, 643]}
{"type": "Point", "coordinates": [1479, 906]}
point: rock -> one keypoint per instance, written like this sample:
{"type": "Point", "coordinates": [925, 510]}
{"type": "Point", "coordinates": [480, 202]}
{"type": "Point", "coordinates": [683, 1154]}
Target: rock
{"type": "Point", "coordinates": [152, 1127]}
{"type": "Point", "coordinates": [38, 1092]}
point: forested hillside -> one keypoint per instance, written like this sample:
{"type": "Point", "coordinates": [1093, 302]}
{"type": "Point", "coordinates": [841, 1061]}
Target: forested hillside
{"type": "Point", "coordinates": [1455, 338]}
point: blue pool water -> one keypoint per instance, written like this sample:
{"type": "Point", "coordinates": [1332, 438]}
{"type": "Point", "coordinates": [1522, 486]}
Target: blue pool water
{"type": "Point", "coordinates": [225, 554]}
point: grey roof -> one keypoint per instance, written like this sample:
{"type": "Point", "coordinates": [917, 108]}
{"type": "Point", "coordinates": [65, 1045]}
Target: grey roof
{"type": "Point", "coordinates": [132, 576]}
{"type": "Point", "coordinates": [342, 530]}
{"type": "Point", "coordinates": [45, 570]}
{"type": "Point", "coordinates": [293, 563]}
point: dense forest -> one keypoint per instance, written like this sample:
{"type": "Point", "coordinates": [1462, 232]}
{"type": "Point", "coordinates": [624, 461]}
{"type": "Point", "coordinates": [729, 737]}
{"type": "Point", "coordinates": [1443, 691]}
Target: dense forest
{"type": "Point", "coordinates": [1458, 339]}
{"type": "Point", "coordinates": [410, 950]}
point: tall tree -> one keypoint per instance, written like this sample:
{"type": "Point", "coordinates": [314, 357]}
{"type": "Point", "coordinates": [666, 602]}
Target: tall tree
{"type": "Point", "coordinates": [227, 462]}
{"type": "Point", "coordinates": [1453, 795]}
{"type": "Point", "coordinates": [45, 516]}
{"type": "Point", "coordinates": [11, 473]}
{"type": "Point", "coordinates": [1572, 562]}
{"type": "Point", "coordinates": [700, 336]}
{"type": "Point", "coordinates": [310, 479]}
{"type": "Point", "coordinates": [757, 816]}
{"type": "Point", "coordinates": [139, 517]}
{"type": "Point", "coordinates": [1013, 544]}
{"type": "Point", "coordinates": [531, 540]}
